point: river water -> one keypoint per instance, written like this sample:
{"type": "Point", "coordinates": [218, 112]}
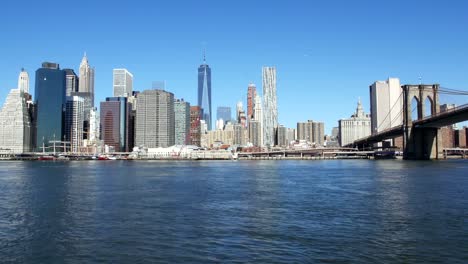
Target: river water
{"type": "Point", "coordinates": [331, 211]}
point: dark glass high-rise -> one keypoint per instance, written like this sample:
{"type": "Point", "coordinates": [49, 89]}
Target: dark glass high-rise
{"type": "Point", "coordinates": [115, 115]}
{"type": "Point", "coordinates": [50, 103]}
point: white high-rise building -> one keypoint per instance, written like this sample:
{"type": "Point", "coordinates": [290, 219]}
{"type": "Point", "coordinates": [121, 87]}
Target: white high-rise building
{"type": "Point", "coordinates": [74, 118]}
{"type": "Point", "coordinates": [86, 83]}
{"type": "Point", "coordinates": [155, 119]}
{"type": "Point", "coordinates": [356, 127]}
{"type": "Point", "coordinates": [15, 124]}
{"type": "Point", "coordinates": [386, 104]}
{"type": "Point", "coordinates": [219, 124]}
{"type": "Point", "coordinates": [123, 83]}
{"type": "Point", "coordinates": [258, 116]}
{"type": "Point", "coordinates": [23, 81]}
{"type": "Point", "coordinates": [94, 125]}
{"type": "Point", "coordinates": [270, 108]}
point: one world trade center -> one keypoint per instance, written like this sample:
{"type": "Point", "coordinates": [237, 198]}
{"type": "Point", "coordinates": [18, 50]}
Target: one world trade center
{"type": "Point", "coordinates": [204, 92]}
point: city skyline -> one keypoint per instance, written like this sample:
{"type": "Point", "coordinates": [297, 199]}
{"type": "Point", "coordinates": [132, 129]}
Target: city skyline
{"type": "Point", "coordinates": [315, 53]}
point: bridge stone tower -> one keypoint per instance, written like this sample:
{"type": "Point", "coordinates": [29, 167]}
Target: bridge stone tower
{"type": "Point", "coordinates": [421, 142]}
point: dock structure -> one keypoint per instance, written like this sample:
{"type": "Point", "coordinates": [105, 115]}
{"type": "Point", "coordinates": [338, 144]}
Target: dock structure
{"type": "Point", "coordinates": [310, 154]}
{"type": "Point", "coordinates": [455, 153]}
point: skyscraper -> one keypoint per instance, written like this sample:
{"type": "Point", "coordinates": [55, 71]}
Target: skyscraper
{"type": "Point", "coordinates": [386, 104]}
{"type": "Point", "coordinates": [258, 117]}
{"type": "Point", "coordinates": [86, 83]}
{"type": "Point", "coordinates": [251, 94]}
{"type": "Point", "coordinates": [241, 119]}
{"type": "Point", "coordinates": [123, 83]}
{"type": "Point", "coordinates": [195, 125]}
{"type": "Point", "coordinates": [71, 82]}
{"type": "Point", "coordinates": [204, 92]}
{"type": "Point", "coordinates": [15, 124]}
{"type": "Point", "coordinates": [282, 136]}
{"type": "Point", "coordinates": [311, 131]}
{"type": "Point", "coordinates": [94, 126]}
{"type": "Point", "coordinates": [50, 103]}
{"type": "Point", "coordinates": [114, 117]}
{"type": "Point", "coordinates": [74, 117]}
{"type": "Point", "coordinates": [270, 109]}
{"type": "Point", "coordinates": [182, 122]}
{"type": "Point", "coordinates": [23, 81]}
{"type": "Point", "coordinates": [255, 133]}
{"type": "Point", "coordinates": [304, 131]}
{"type": "Point", "coordinates": [224, 113]}
{"type": "Point", "coordinates": [318, 132]}
{"type": "Point", "coordinates": [155, 121]}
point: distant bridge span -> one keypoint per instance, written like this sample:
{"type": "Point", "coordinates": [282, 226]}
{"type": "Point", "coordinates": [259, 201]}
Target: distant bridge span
{"type": "Point", "coordinates": [421, 139]}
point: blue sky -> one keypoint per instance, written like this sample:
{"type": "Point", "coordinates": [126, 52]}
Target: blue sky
{"type": "Point", "coordinates": [327, 53]}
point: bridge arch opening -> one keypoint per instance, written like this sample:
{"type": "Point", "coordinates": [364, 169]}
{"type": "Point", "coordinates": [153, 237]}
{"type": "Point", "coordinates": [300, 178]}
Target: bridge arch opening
{"type": "Point", "coordinates": [414, 106]}
{"type": "Point", "coordinates": [428, 104]}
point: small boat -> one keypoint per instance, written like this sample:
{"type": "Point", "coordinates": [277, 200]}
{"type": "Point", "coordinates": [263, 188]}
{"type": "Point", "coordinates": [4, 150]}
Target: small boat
{"type": "Point", "coordinates": [103, 158]}
{"type": "Point", "coordinates": [386, 154]}
{"type": "Point", "coordinates": [47, 158]}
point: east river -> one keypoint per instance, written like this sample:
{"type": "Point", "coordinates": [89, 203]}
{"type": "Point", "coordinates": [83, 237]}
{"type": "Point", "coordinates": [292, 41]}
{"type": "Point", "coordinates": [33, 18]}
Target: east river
{"type": "Point", "coordinates": [330, 211]}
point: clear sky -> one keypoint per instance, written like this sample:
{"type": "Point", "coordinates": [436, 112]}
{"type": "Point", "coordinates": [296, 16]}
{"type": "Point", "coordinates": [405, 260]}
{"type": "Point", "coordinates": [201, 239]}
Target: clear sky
{"type": "Point", "coordinates": [327, 53]}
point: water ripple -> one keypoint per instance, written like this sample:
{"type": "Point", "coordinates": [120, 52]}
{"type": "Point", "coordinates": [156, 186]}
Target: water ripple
{"type": "Point", "coordinates": [252, 211]}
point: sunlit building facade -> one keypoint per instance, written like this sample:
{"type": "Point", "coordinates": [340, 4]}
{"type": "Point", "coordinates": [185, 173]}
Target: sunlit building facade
{"type": "Point", "coordinates": [74, 117]}
{"type": "Point", "coordinates": [122, 83]}
{"type": "Point", "coordinates": [15, 124]}
{"type": "Point", "coordinates": [356, 127]}
{"type": "Point", "coordinates": [155, 119]}
{"type": "Point", "coordinates": [86, 82]}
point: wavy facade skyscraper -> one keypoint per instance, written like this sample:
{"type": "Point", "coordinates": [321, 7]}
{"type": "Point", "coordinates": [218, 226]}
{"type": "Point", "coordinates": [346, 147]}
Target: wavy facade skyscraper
{"type": "Point", "coordinates": [270, 108]}
{"type": "Point", "coordinates": [204, 92]}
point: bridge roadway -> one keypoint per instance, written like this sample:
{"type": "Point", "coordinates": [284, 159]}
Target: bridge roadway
{"type": "Point", "coordinates": [446, 118]}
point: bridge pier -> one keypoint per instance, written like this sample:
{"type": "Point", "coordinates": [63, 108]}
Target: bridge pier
{"type": "Point", "coordinates": [422, 144]}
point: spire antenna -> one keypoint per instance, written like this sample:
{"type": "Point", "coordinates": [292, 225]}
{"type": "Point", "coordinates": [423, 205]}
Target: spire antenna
{"type": "Point", "coordinates": [204, 55]}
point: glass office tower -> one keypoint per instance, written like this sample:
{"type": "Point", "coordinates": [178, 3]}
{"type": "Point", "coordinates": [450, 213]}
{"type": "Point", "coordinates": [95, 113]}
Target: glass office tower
{"type": "Point", "coordinates": [115, 115]}
{"type": "Point", "coordinates": [50, 101]}
{"type": "Point", "coordinates": [204, 92]}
